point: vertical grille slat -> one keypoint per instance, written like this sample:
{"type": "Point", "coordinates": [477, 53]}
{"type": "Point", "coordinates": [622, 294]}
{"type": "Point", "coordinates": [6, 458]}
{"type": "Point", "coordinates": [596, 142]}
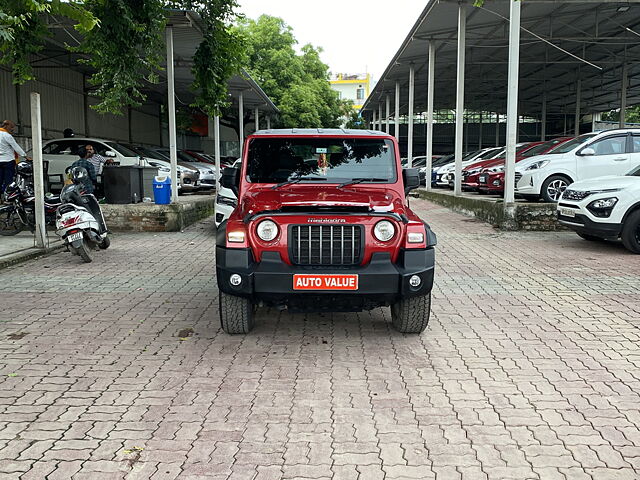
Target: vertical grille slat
{"type": "Point", "coordinates": [318, 245]}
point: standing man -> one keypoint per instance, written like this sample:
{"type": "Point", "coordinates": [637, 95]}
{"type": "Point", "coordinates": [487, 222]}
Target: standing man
{"type": "Point", "coordinates": [9, 152]}
{"type": "Point", "coordinates": [96, 159]}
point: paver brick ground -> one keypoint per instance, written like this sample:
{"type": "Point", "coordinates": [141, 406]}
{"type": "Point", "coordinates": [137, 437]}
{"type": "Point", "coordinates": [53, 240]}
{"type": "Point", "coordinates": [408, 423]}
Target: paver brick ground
{"type": "Point", "coordinates": [529, 368]}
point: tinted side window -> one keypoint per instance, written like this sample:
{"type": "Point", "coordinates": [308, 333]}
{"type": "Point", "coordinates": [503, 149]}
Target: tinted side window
{"type": "Point", "coordinates": [66, 147]}
{"type": "Point", "coordinates": [99, 148]}
{"type": "Point", "coordinates": [635, 140]}
{"type": "Point", "coordinates": [610, 145]}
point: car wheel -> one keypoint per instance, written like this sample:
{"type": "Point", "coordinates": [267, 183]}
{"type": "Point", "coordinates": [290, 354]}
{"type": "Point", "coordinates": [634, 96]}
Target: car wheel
{"type": "Point", "coordinates": [631, 232]}
{"type": "Point", "coordinates": [591, 238]}
{"type": "Point", "coordinates": [553, 188]}
{"type": "Point", "coordinates": [236, 313]}
{"type": "Point", "coordinates": [411, 315]}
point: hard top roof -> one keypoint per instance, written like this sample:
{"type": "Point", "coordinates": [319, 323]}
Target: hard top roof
{"type": "Point", "coordinates": [328, 132]}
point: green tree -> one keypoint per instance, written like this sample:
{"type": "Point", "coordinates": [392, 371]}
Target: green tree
{"type": "Point", "coordinates": [297, 83]}
{"type": "Point", "coordinates": [632, 115]}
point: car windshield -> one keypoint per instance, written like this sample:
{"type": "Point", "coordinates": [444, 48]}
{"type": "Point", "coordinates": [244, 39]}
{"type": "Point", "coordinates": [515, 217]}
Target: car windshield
{"type": "Point", "coordinates": [572, 144]}
{"type": "Point", "coordinates": [539, 149]}
{"type": "Point", "coordinates": [337, 160]}
{"type": "Point", "coordinates": [122, 150]}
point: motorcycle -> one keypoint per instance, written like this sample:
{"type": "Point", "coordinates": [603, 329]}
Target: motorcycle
{"type": "Point", "coordinates": [79, 220]}
{"type": "Point", "coordinates": [19, 211]}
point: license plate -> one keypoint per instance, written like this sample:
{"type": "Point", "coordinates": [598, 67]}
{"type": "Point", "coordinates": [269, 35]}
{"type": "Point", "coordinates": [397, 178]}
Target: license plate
{"type": "Point", "coordinates": [325, 282]}
{"type": "Point", "coordinates": [482, 179]}
{"type": "Point", "coordinates": [567, 212]}
{"type": "Point", "coordinates": [74, 236]}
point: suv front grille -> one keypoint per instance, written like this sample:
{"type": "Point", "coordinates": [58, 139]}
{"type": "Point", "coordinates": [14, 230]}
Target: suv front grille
{"type": "Point", "coordinates": [326, 244]}
{"type": "Point", "coordinates": [575, 195]}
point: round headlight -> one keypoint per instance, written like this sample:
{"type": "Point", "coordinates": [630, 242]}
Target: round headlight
{"type": "Point", "coordinates": [267, 230]}
{"type": "Point", "coordinates": [384, 230]}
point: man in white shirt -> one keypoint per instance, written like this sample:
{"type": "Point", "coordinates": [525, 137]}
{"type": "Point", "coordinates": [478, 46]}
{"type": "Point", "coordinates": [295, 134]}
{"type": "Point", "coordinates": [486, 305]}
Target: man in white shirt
{"type": "Point", "coordinates": [9, 152]}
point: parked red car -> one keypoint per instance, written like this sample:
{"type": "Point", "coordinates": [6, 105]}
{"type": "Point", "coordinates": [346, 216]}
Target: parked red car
{"type": "Point", "coordinates": [471, 172]}
{"type": "Point", "coordinates": [491, 179]}
{"type": "Point", "coordinates": [323, 224]}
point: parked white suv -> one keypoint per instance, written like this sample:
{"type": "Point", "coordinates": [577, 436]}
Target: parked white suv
{"type": "Point", "coordinates": [604, 207]}
{"type": "Point", "coordinates": [612, 152]}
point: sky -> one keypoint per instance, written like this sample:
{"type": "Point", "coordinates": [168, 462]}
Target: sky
{"type": "Point", "coordinates": [356, 36]}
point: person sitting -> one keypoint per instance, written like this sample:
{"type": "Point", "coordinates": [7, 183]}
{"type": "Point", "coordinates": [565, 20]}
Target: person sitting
{"type": "Point", "coordinates": [90, 181]}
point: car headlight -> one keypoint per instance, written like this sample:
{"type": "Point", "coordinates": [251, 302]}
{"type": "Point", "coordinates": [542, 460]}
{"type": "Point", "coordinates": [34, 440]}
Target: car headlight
{"type": "Point", "coordinates": [538, 165]}
{"type": "Point", "coordinates": [473, 171]}
{"type": "Point", "coordinates": [267, 230]}
{"type": "Point", "coordinates": [497, 169]}
{"type": "Point", "coordinates": [384, 230]}
{"type": "Point", "coordinates": [602, 208]}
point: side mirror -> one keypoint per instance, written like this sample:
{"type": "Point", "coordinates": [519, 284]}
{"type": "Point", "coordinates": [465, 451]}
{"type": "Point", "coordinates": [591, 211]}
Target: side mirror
{"type": "Point", "coordinates": [587, 152]}
{"type": "Point", "coordinates": [231, 179]}
{"type": "Point", "coordinates": [110, 154]}
{"type": "Point", "coordinates": [411, 179]}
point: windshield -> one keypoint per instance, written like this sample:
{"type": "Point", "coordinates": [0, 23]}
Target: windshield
{"type": "Point", "coordinates": [538, 149]}
{"type": "Point", "coordinates": [572, 144]}
{"type": "Point", "coordinates": [122, 150]}
{"type": "Point", "coordinates": [337, 160]}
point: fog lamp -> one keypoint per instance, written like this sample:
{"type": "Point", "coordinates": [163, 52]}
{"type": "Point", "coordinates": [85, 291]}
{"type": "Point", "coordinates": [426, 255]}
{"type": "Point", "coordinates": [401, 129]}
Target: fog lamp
{"type": "Point", "coordinates": [415, 281]}
{"type": "Point", "coordinates": [235, 279]}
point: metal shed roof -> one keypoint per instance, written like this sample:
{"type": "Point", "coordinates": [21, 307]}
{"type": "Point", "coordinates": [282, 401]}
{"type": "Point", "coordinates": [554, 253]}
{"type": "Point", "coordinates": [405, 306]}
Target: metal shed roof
{"type": "Point", "coordinates": [187, 28]}
{"type": "Point", "coordinates": [560, 42]}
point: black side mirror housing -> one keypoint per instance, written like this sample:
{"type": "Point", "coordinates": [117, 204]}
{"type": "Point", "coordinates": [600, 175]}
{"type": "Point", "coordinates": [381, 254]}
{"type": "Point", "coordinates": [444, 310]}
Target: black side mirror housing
{"type": "Point", "coordinates": [231, 179]}
{"type": "Point", "coordinates": [411, 179]}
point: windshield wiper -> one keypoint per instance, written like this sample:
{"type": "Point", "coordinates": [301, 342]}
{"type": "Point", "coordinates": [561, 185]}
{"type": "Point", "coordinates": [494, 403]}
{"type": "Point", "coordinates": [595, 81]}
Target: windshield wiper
{"type": "Point", "coordinates": [297, 180]}
{"type": "Point", "coordinates": [360, 180]}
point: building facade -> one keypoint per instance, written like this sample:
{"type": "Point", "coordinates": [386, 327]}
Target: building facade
{"type": "Point", "coordinates": [353, 87]}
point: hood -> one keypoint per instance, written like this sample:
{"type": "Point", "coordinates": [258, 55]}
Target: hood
{"type": "Point", "coordinates": [296, 196]}
{"type": "Point", "coordinates": [606, 183]}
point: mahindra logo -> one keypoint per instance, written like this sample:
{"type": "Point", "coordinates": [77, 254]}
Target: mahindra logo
{"type": "Point", "coordinates": [326, 220]}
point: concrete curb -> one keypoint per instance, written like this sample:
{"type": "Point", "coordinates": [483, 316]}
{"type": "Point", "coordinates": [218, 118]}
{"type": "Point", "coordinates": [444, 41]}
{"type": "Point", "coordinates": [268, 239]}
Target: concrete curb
{"type": "Point", "coordinates": [28, 254]}
{"type": "Point", "coordinates": [516, 216]}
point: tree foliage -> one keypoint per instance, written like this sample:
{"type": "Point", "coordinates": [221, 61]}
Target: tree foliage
{"type": "Point", "coordinates": [23, 30]}
{"type": "Point", "coordinates": [632, 115]}
{"type": "Point", "coordinates": [296, 82]}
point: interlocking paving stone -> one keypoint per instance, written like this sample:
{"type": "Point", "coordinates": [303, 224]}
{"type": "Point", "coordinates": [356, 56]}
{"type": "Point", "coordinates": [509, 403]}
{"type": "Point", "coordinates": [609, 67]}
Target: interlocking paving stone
{"type": "Point", "coordinates": [528, 369]}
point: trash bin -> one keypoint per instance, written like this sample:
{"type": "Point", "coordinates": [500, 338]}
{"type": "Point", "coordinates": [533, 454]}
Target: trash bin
{"type": "Point", "coordinates": [162, 190]}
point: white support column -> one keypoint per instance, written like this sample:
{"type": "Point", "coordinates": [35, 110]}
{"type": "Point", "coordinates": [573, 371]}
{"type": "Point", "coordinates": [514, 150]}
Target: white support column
{"type": "Point", "coordinates": [171, 103]}
{"type": "Point", "coordinates": [216, 149]}
{"type": "Point", "coordinates": [268, 123]}
{"type": "Point", "coordinates": [38, 172]}
{"type": "Point", "coordinates": [380, 117]}
{"type": "Point", "coordinates": [462, 24]}
{"type": "Point", "coordinates": [388, 101]}
{"type": "Point", "coordinates": [396, 113]}
{"type": "Point", "coordinates": [241, 121]}
{"type": "Point", "coordinates": [412, 76]}
{"type": "Point", "coordinates": [497, 129]}
{"type": "Point", "coordinates": [480, 133]}
{"type": "Point", "coordinates": [374, 122]}
{"type": "Point", "coordinates": [512, 102]}
{"type": "Point", "coordinates": [543, 121]}
{"type": "Point", "coordinates": [623, 96]}
{"type": "Point", "coordinates": [256, 114]}
{"type": "Point", "coordinates": [429, 126]}
{"type": "Point", "coordinates": [577, 119]}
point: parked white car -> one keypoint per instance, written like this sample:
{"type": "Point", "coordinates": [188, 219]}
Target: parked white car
{"type": "Point", "coordinates": [612, 152]}
{"type": "Point", "coordinates": [62, 152]}
{"type": "Point", "coordinates": [604, 207]}
{"type": "Point", "coordinates": [444, 175]}
{"type": "Point", "coordinates": [226, 201]}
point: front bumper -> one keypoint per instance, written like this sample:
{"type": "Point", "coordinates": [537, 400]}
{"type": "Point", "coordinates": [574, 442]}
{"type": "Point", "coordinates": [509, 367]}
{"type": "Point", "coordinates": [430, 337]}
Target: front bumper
{"type": "Point", "coordinates": [583, 224]}
{"type": "Point", "coordinates": [381, 282]}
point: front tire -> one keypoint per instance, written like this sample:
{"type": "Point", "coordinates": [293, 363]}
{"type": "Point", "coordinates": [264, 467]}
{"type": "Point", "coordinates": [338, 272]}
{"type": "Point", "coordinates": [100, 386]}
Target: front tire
{"type": "Point", "coordinates": [631, 232]}
{"type": "Point", "coordinates": [10, 223]}
{"type": "Point", "coordinates": [553, 188]}
{"type": "Point", "coordinates": [105, 243]}
{"type": "Point", "coordinates": [411, 315]}
{"type": "Point", "coordinates": [236, 313]}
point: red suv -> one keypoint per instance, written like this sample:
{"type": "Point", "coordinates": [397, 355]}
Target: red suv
{"type": "Point", "coordinates": [323, 224]}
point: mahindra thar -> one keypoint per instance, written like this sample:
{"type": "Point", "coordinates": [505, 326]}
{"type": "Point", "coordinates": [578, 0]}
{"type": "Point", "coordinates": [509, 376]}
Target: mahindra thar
{"type": "Point", "coordinates": [323, 224]}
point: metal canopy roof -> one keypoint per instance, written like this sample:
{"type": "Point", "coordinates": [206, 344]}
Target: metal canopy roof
{"type": "Point", "coordinates": [558, 38]}
{"type": "Point", "coordinates": [187, 28]}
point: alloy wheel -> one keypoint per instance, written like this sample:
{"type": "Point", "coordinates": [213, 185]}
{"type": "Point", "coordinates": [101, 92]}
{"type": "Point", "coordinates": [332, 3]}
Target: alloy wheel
{"type": "Point", "coordinates": [556, 189]}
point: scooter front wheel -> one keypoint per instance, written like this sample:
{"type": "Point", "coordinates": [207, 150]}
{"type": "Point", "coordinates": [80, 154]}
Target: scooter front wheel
{"type": "Point", "coordinates": [105, 243]}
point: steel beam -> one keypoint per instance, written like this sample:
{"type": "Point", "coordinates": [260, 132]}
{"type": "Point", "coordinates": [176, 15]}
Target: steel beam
{"type": "Point", "coordinates": [623, 96]}
{"type": "Point", "coordinates": [396, 113]}
{"type": "Point", "coordinates": [512, 102]}
{"type": "Point", "coordinates": [412, 76]}
{"type": "Point", "coordinates": [241, 121]}
{"type": "Point", "coordinates": [577, 117]}
{"type": "Point", "coordinates": [429, 126]}
{"type": "Point", "coordinates": [388, 101]}
{"type": "Point", "coordinates": [462, 20]}
{"type": "Point", "coordinates": [38, 171]}
{"type": "Point", "coordinates": [171, 103]}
